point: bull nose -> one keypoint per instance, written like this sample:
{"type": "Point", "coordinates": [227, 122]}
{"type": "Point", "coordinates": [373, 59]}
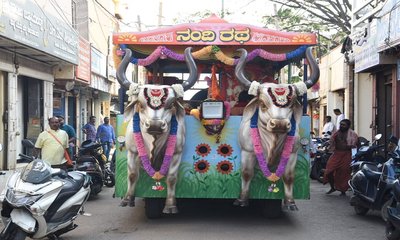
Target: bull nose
{"type": "Point", "coordinates": [278, 125]}
{"type": "Point", "coordinates": [155, 127]}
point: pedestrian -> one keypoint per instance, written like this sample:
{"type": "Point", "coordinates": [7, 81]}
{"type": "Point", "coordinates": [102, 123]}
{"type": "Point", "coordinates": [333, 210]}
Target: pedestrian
{"type": "Point", "coordinates": [337, 172]}
{"type": "Point", "coordinates": [106, 135]}
{"type": "Point", "coordinates": [90, 129]}
{"type": "Point", "coordinates": [339, 117]}
{"type": "Point", "coordinates": [328, 128]}
{"type": "Point", "coordinates": [71, 134]}
{"type": "Point", "coordinates": [51, 145]}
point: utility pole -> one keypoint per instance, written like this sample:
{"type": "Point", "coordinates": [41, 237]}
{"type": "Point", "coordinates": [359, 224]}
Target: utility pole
{"type": "Point", "coordinates": [139, 23]}
{"type": "Point", "coordinates": [222, 9]}
{"type": "Point", "coordinates": [160, 14]}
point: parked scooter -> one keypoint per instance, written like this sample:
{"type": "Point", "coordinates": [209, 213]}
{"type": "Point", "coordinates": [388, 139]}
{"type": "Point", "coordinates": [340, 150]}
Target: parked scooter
{"type": "Point", "coordinates": [393, 211]}
{"type": "Point", "coordinates": [372, 186]}
{"type": "Point", "coordinates": [368, 153]}
{"type": "Point", "coordinates": [320, 160]}
{"type": "Point", "coordinates": [42, 201]}
{"type": "Point", "coordinates": [90, 159]}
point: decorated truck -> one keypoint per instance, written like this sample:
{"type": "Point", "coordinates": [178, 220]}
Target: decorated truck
{"type": "Point", "coordinates": [211, 117]}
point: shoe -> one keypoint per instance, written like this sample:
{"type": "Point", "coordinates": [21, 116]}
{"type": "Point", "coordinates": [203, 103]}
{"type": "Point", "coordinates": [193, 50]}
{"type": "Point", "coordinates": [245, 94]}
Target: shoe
{"type": "Point", "coordinates": [342, 194]}
{"type": "Point", "coordinates": [331, 191]}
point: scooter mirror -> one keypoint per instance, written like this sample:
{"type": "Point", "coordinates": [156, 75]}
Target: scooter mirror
{"type": "Point", "coordinates": [378, 136]}
{"type": "Point", "coordinates": [1, 147]}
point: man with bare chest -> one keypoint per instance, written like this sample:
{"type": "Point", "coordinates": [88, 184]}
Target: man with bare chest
{"type": "Point", "coordinates": [337, 172]}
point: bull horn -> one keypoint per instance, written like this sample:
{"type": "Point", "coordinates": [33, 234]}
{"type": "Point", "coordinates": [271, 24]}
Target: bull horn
{"type": "Point", "coordinates": [239, 69]}
{"type": "Point", "coordinates": [309, 82]}
{"type": "Point", "coordinates": [314, 69]}
{"type": "Point", "coordinates": [121, 77]}
{"type": "Point", "coordinates": [192, 70]}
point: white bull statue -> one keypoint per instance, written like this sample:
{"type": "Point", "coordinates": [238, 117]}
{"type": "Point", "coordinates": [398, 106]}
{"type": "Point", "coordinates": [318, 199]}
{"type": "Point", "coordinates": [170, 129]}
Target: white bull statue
{"type": "Point", "coordinates": [271, 120]}
{"type": "Point", "coordinates": [155, 134]}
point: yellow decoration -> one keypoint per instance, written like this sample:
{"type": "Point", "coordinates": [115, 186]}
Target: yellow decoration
{"type": "Point", "coordinates": [273, 177]}
{"type": "Point", "coordinates": [205, 51]}
{"type": "Point", "coordinates": [117, 59]}
{"type": "Point", "coordinates": [225, 59]}
{"type": "Point", "coordinates": [195, 113]}
{"type": "Point", "coordinates": [302, 39]}
{"type": "Point", "coordinates": [157, 176]}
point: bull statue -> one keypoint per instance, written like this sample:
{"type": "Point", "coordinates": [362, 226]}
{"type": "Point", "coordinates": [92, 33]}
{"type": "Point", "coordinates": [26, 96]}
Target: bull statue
{"type": "Point", "coordinates": [271, 120]}
{"type": "Point", "coordinates": [155, 134]}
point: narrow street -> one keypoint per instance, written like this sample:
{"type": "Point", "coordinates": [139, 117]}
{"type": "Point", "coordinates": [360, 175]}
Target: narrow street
{"type": "Point", "coordinates": [323, 217]}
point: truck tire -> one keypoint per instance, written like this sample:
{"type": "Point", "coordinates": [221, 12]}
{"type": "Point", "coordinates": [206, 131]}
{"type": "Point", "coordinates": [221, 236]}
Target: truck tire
{"type": "Point", "coordinates": [153, 207]}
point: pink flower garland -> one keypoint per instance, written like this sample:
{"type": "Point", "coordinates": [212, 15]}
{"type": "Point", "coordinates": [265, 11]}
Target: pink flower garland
{"type": "Point", "coordinates": [169, 152]}
{"type": "Point", "coordinates": [287, 150]}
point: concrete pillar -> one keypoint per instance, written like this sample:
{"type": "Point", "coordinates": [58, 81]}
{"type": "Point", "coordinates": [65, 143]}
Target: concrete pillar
{"type": "Point", "coordinates": [13, 130]}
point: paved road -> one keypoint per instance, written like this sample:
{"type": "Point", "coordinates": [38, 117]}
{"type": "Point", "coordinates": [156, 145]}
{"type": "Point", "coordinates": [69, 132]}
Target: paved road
{"type": "Point", "coordinates": [322, 217]}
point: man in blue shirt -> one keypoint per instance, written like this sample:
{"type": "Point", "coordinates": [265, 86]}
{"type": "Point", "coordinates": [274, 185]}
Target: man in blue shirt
{"type": "Point", "coordinates": [106, 135]}
{"type": "Point", "coordinates": [90, 129]}
{"type": "Point", "coordinates": [71, 135]}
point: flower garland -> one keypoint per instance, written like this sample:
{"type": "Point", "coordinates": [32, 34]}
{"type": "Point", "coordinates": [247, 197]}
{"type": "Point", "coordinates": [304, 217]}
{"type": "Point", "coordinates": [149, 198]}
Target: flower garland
{"type": "Point", "coordinates": [215, 51]}
{"type": "Point", "coordinates": [169, 152]}
{"type": "Point", "coordinates": [287, 149]}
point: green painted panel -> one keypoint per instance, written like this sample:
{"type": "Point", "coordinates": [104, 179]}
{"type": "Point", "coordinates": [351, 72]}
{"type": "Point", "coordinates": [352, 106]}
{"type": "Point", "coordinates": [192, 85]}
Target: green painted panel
{"type": "Point", "coordinates": [214, 172]}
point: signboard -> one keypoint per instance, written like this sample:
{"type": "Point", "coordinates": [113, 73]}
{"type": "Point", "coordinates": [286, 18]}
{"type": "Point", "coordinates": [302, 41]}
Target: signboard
{"type": "Point", "coordinates": [27, 23]}
{"type": "Point", "coordinates": [214, 31]}
{"type": "Point", "coordinates": [388, 25]}
{"type": "Point", "coordinates": [84, 63]}
{"type": "Point", "coordinates": [98, 62]}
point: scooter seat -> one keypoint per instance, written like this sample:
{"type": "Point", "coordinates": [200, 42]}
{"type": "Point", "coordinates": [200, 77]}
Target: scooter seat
{"type": "Point", "coordinates": [371, 172]}
{"type": "Point", "coordinates": [86, 158]}
{"type": "Point", "coordinates": [72, 184]}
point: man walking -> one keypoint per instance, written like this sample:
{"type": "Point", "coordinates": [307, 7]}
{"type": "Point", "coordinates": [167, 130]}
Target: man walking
{"type": "Point", "coordinates": [51, 145]}
{"type": "Point", "coordinates": [106, 135]}
{"type": "Point", "coordinates": [90, 129]}
{"type": "Point", "coordinates": [337, 172]}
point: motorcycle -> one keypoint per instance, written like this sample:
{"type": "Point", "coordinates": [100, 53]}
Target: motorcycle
{"type": "Point", "coordinates": [392, 230]}
{"type": "Point", "coordinates": [372, 185]}
{"type": "Point", "coordinates": [318, 165]}
{"type": "Point", "coordinates": [90, 159]}
{"type": "Point", "coordinates": [41, 201]}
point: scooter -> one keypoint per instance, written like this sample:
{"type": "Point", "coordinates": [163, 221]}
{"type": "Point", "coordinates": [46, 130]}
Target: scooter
{"type": "Point", "coordinates": [393, 222]}
{"type": "Point", "coordinates": [42, 201]}
{"type": "Point", "coordinates": [318, 165]}
{"type": "Point", "coordinates": [368, 153]}
{"type": "Point", "coordinates": [90, 159]}
{"type": "Point", "coordinates": [372, 186]}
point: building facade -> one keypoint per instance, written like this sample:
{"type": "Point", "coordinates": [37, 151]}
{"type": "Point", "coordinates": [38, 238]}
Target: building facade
{"type": "Point", "coordinates": [55, 59]}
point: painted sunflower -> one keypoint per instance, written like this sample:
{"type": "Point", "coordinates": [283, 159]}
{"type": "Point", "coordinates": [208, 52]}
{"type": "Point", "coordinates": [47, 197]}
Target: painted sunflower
{"type": "Point", "coordinates": [224, 167]}
{"type": "Point", "coordinates": [201, 166]}
{"type": "Point", "coordinates": [203, 149]}
{"type": "Point", "coordinates": [225, 150]}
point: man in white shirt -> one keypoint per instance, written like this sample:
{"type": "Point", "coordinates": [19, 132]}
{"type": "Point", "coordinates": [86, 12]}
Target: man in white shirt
{"type": "Point", "coordinates": [339, 117]}
{"type": "Point", "coordinates": [328, 128]}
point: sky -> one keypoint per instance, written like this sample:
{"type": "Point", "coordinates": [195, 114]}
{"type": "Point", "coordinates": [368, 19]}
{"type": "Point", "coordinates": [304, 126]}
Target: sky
{"type": "Point", "coordinates": [244, 11]}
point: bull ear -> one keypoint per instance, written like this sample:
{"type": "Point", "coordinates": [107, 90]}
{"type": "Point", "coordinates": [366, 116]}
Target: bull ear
{"type": "Point", "coordinates": [130, 110]}
{"type": "Point", "coordinates": [250, 109]}
{"type": "Point", "coordinates": [180, 109]}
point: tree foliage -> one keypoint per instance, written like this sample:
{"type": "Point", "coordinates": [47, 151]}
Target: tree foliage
{"type": "Point", "coordinates": [329, 18]}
